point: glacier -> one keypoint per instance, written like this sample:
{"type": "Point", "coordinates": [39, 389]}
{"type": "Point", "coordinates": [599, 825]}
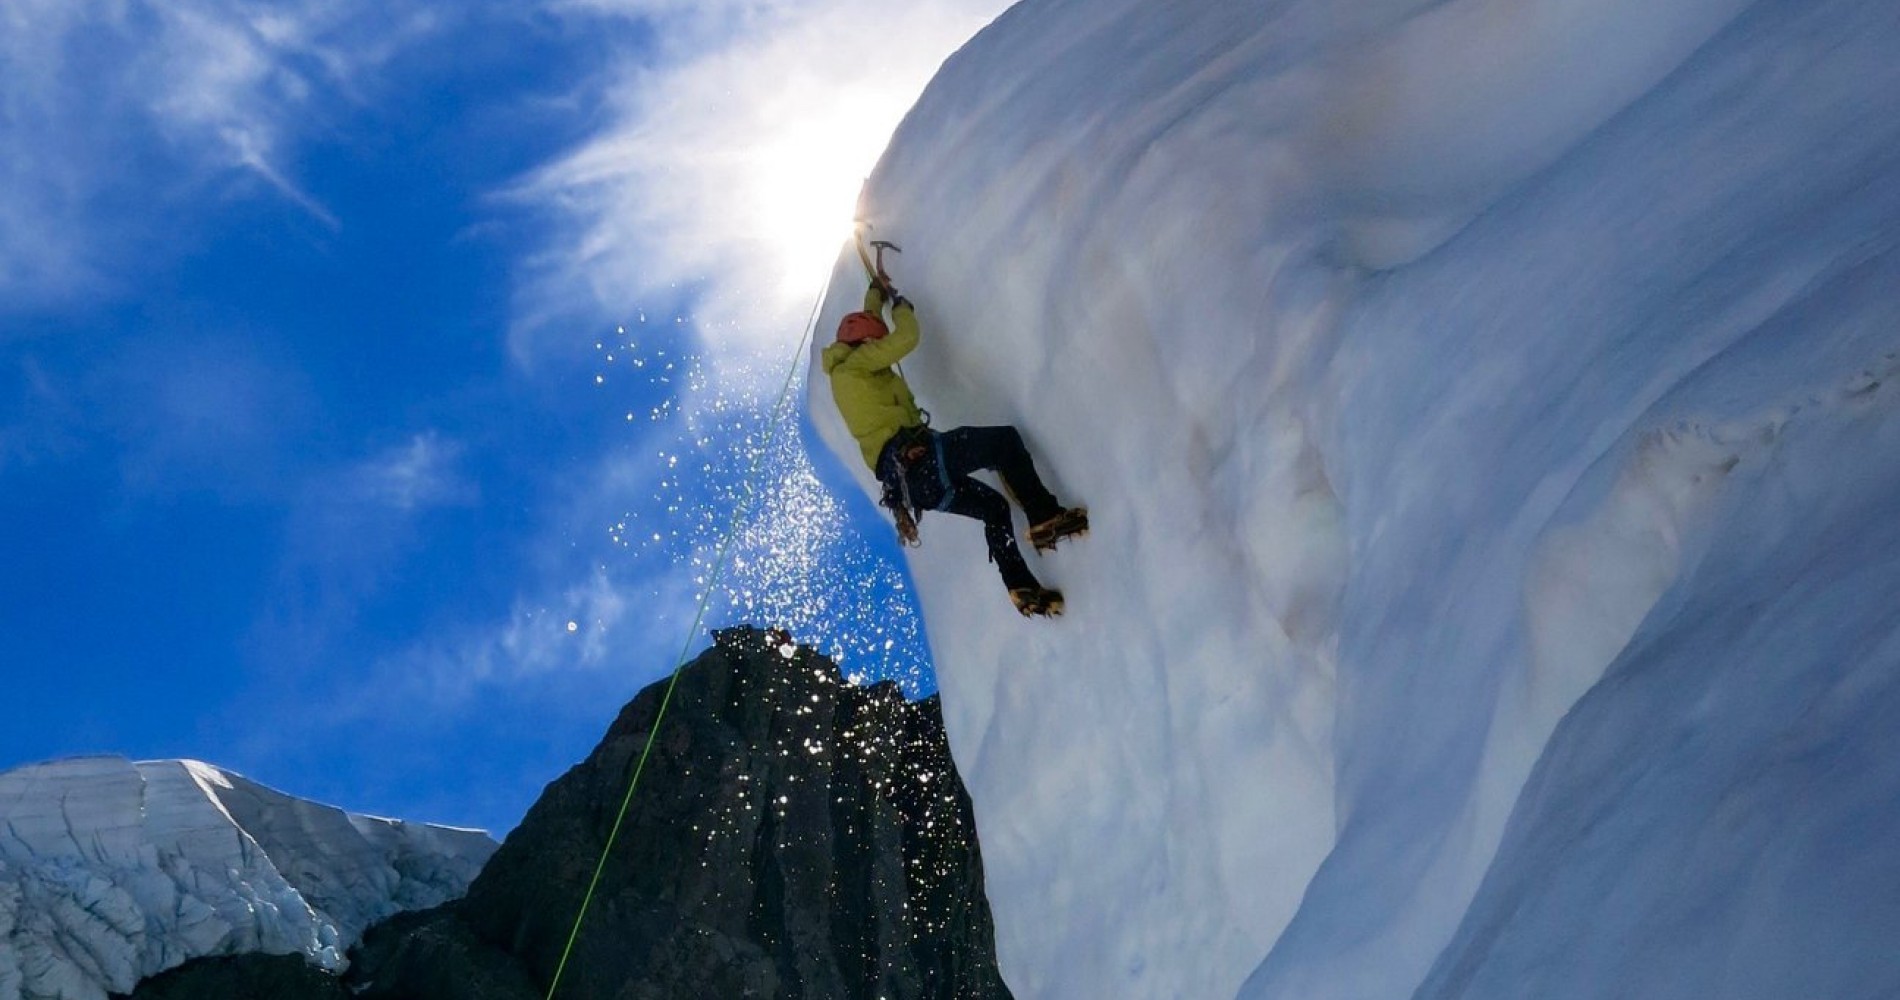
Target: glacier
{"type": "Point", "coordinates": [112, 871]}
{"type": "Point", "coordinates": [1487, 410]}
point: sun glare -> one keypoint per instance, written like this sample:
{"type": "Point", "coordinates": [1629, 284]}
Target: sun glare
{"type": "Point", "coordinates": [805, 178]}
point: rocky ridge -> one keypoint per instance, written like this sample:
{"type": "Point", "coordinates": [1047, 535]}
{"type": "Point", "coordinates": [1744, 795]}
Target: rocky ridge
{"type": "Point", "coordinates": [792, 836]}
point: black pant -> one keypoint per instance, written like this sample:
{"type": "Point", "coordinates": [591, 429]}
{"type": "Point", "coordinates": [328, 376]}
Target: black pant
{"type": "Point", "coordinates": [939, 479]}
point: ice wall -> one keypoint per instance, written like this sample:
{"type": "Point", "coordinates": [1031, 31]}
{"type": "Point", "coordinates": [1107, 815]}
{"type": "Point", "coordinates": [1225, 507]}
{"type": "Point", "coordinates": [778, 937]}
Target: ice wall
{"type": "Point", "coordinates": [111, 871]}
{"type": "Point", "coordinates": [1432, 370]}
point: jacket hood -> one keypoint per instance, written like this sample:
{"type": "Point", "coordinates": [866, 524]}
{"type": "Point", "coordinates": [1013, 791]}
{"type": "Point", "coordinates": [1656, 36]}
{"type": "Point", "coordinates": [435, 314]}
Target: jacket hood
{"type": "Point", "coordinates": [834, 356]}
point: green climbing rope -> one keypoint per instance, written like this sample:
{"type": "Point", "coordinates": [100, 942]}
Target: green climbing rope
{"type": "Point", "coordinates": [699, 617]}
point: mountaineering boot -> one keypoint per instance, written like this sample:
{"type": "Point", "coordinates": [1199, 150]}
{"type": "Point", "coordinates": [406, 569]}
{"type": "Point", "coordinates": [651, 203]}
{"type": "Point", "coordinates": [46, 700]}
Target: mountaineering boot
{"type": "Point", "coordinates": [1071, 521]}
{"type": "Point", "coordinates": [1037, 602]}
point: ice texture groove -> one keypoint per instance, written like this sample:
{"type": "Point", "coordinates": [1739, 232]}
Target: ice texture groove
{"type": "Point", "coordinates": [111, 871]}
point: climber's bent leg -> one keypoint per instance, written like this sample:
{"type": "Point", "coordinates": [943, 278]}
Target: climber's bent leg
{"type": "Point", "coordinates": [967, 449]}
{"type": "Point", "coordinates": [974, 499]}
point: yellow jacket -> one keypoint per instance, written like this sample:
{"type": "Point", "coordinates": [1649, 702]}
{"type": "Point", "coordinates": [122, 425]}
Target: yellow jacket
{"type": "Point", "coordinates": [873, 399]}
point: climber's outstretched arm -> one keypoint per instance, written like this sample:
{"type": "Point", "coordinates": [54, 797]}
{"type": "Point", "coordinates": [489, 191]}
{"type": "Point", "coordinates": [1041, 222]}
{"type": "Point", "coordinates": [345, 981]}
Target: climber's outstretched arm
{"type": "Point", "coordinates": [873, 355]}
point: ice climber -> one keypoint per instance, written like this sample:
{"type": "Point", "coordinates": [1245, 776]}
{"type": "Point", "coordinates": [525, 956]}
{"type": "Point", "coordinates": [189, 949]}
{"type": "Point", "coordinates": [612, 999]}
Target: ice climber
{"type": "Point", "coordinates": [922, 469]}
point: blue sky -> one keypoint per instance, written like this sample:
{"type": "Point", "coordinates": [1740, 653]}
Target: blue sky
{"type": "Point", "coordinates": [377, 379]}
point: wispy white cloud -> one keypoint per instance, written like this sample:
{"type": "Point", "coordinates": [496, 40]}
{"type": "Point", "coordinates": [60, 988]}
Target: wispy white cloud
{"type": "Point", "coordinates": [112, 108]}
{"type": "Point", "coordinates": [353, 520]}
{"type": "Point", "coordinates": [607, 632]}
{"type": "Point", "coordinates": [731, 165]}
{"type": "Point", "coordinates": [581, 624]}
{"type": "Point", "coordinates": [573, 630]}
{"type": "Point", "coordinates": [253, 155]}
{"type": "Point", "coordinates": [352, 528]}
{"type": "Point", "coordinates": [424, 472]}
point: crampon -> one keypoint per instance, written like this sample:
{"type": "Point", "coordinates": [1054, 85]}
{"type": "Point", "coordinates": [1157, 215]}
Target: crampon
{"type": "Point", "coordinates": [1037, 602]}
{"type": "Point", "coordinates": [1071, 521]}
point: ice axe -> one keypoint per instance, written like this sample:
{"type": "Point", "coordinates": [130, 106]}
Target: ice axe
{"type": "Point", "coordinates": [875, 269]}
{"type": "Point", "coordinates": [884, 280]}
{"type": "Point", "coordinates": [880, 246]}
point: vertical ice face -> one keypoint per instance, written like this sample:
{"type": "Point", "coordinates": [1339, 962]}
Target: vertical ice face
{"type": "Point", "coordinates": [1422, 365]}
{"type": "Point", "coordinates": [111, 871]}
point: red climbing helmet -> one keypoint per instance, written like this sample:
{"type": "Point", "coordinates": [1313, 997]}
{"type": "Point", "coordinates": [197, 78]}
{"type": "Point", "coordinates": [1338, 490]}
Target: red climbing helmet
{"type": "Point", "coordinates": [860, 327]}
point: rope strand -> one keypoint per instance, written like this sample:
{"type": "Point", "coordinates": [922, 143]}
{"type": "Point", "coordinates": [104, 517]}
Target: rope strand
{"type": "Point", "coordinates": [705, 598]}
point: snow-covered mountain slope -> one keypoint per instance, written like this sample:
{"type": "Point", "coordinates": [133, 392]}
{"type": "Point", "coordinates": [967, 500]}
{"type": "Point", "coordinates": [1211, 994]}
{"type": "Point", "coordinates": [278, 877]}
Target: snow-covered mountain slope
{"type": "Point", "coordinates": [1488, 414]}
{"type": "Point", "coordinates": [111, 871]}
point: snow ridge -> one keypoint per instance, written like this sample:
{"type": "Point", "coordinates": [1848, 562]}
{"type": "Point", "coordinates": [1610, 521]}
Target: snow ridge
{"type": "Point", "coordinates": [112, 871]}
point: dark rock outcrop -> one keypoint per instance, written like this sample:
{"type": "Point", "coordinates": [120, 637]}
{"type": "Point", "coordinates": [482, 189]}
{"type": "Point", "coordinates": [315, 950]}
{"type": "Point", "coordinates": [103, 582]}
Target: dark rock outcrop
{"type": "Point", "coordinates": [243, 977]}
{"type": "Point", "coordinates": [791, 836]}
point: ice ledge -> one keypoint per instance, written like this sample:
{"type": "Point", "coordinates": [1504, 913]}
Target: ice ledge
{"type": "Point", "coordinates": [111, 871]}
